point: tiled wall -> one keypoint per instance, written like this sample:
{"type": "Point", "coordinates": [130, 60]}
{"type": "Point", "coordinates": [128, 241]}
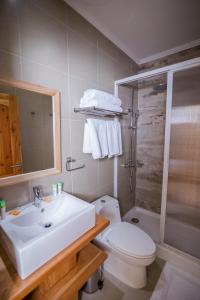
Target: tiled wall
{"type": "Point", "coordinates": [126, 183]}
{"type": "Point", "coordinates": [150, 144]}
{"type": "Point", "coordinates": [47, 43]}
{"type": "Point", "coordinates": [171, 59]}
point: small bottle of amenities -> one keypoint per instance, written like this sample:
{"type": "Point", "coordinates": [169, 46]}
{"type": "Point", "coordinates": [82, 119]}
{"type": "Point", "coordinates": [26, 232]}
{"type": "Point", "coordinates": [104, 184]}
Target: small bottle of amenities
{"type": "Point", "coordinates": [60, 188]}
{"type": "Point", "coordinates": [55, 189]}
{"type": "Point", "coordinates": [3, 209]}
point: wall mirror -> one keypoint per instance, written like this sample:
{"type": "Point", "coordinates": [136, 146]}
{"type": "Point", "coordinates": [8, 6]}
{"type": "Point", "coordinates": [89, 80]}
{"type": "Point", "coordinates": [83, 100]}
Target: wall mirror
{"type": "Point", "coordinates": [29, 131]}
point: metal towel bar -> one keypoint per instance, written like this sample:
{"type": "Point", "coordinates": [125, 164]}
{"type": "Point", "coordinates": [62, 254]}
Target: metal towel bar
{"type": "Point", "coordinates": [69, 160]}
{"type": "Point", "coordinates": [95, 111]}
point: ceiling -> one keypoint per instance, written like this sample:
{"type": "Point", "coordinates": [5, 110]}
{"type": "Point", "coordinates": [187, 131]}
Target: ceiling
{"type": "Point", "coordinates": [145, 29]}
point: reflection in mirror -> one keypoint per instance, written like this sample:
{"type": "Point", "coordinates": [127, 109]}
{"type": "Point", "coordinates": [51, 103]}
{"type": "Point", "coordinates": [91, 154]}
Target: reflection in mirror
{"type": "Point", "coordinates": [26, 131]}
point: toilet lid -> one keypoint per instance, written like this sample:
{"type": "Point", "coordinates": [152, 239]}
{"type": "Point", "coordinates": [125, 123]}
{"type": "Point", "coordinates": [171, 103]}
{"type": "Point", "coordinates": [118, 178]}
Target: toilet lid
{"type": "Point", "coordinates": [131, 240]}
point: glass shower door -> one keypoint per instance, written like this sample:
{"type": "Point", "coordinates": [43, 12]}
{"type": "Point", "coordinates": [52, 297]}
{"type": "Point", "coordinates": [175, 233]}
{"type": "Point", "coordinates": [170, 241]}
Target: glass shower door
{"type": "Point", "coordinates": [182, 223]}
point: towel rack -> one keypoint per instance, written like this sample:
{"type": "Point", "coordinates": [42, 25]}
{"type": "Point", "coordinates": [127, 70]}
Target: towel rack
{"type": "Point", "coordinates": [95, 111]}
{"type": "Point", "coordinates": [69, 160]}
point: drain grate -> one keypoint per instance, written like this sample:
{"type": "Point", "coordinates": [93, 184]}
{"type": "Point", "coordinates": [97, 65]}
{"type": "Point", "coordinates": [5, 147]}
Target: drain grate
{"type": "Point", "coordinates": [135, 220]}
{"type": "Point", "coordinates": [48, 224]}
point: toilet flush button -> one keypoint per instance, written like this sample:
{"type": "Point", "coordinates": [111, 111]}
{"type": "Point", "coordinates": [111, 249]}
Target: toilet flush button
{"type": "Point", "coordinates": [103, 201]}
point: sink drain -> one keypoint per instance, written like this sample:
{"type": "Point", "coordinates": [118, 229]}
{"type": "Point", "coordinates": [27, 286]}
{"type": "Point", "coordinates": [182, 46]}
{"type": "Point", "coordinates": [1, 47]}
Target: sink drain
{"type": "Point", "coordinates": [135, 220]}
{"type": "Point", "coordinates": [48, 224]}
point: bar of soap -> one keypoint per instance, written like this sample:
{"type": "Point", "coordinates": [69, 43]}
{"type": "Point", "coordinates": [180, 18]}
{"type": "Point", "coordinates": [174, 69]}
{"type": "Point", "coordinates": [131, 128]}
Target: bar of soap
{"type": "Point", "coordinates": [15, 212]}
{"type": "Point", "coordinates": [47, 199]}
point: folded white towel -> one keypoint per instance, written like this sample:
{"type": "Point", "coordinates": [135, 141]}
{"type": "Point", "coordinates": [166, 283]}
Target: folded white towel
{"type": "Point", "coordinates": [100, 96]}
{"type": "Point", "coordinates": [95, 138]}
{"type": "Point", "coordinates": [95, 103]}
{"type": "Point", "coordinates": [114, 138]}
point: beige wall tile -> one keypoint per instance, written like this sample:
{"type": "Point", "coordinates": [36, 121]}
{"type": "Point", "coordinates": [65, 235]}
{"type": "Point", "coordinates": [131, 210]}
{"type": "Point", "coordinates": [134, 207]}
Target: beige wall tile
{"type": "Point", "coordinates": [77, 131]}
{"type": "Point", "coordinates": [82, 27]}
{"type": "Point", "coordinates": [61, 50]}
{"type": "Point", "coordinates": [46, 76]}
{"type": "Point", "coordinates": [15, 195]}
{"type": "Point", "coordinates": [46, 183]}
{"type": "Point", "coordinates": [122, 71]}
{"type": "Point", "coordinates": [76, 88]}
{"type": "Point", "coordinates": [43, 39]}
{"type": "Point", "coordinates": [65, 142]}
{"type": "Point", "coordinates": [9, 8]}
{"type": "Point", "coordinates": [106, 71]}
{"type": "Point", "coordinates": [85, 181]}
{"type": "Point", "coordinates": [10, 65]}
{"type": "Point", "coordinates": [56, 8]}
{"type": "Point", "coordinates": [106, 174]}
{"type": "Point", "coordinates": [9, 28]}
{"type": "Point", "coordinates": [108, 47]}
{"type": "Point", "coordinates": [106, 190]}
{"type": "Point", "coordinates": [82, 57]}
{"type": "Point", "coordinates": [124, 60]}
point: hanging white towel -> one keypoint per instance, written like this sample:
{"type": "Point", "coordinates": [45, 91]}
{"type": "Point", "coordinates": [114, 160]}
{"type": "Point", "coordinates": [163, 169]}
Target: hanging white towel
{"type": "Point", "coordinates": [119, 134]}
{"type": "Point", "coordinates": [101, 128]}
{"type": "Point", "coordinates": [102, 138]}
{"type": "Point", "coordinates": [86, 140]}
{"type": "Point", "coordinates": [100, 96]}
{"type": "Point", "coordinates": [114, 138]}
{"type": "Point", "coordinates": [95, 138]}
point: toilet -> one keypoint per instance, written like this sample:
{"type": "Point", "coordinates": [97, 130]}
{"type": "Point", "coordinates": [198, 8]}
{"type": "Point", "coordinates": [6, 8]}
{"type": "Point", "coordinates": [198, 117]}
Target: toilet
{"type": "Point", "coordinates": [130, 250]}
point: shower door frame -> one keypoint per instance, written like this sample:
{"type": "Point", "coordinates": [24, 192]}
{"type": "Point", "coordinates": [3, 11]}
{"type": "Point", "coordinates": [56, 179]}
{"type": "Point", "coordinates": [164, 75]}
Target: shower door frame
{"type": "Point", "coordinates": [169, 71]}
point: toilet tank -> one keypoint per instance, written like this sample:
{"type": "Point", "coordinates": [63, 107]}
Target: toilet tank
{"type": "Point", "coordinates": [109, 208]}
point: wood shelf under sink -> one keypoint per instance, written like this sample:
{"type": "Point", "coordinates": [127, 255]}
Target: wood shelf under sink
{"type": "Point", "coordinates": [52, 277]}
{"type": "Point", "coordinates": [89, 259]}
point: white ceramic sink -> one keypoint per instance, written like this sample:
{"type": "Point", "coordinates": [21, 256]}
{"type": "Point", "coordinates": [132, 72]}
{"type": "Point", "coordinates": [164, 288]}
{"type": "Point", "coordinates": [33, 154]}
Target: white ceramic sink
{"type": "Point", "coordinates": [37, 234]}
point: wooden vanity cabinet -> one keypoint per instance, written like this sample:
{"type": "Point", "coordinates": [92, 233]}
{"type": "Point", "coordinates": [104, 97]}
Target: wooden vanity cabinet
{"type": "Point", "coordinates": [61, 277]}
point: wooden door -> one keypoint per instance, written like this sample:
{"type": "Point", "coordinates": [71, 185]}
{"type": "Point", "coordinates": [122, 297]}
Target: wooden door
{"type": "Point", "coordinates": [10, 145]}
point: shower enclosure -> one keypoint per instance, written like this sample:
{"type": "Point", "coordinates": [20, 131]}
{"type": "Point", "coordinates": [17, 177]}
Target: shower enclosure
{"type": "Point", "coordinates": [165, 140]}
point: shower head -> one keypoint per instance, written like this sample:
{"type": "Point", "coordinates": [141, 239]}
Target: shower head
{"type": "Point", "coordinates": [161, 87]}
{"type": "Point", "coordinates": [157, 89]}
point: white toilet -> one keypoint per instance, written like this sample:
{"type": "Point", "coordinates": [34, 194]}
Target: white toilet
{"type": "Point", "coordinates": [130, 250]}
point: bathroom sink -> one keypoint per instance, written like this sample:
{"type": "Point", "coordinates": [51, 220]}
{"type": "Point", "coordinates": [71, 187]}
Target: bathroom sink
{"type": "Point", "coordinates": [37, 234]}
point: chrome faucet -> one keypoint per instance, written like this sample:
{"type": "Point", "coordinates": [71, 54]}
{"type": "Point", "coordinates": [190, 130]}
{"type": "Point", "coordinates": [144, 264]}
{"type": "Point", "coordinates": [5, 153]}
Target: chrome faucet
{"type": "Point", "coordinates": [37, 197]}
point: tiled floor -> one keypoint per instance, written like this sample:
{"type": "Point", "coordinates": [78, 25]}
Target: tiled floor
{"type": "Point", "coordinates": [115, 290]}
{"type": "Point", "coordinates": [175, 284]}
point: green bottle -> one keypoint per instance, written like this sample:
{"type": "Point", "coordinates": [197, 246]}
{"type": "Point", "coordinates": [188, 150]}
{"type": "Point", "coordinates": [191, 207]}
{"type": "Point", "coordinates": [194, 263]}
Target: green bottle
{"type": "Point", "coordinates": [3, 209]}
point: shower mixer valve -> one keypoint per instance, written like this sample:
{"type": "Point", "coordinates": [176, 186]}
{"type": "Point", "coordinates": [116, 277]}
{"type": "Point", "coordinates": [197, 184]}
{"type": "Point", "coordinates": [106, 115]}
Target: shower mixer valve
{"type": "Point", "coordinates": [132, 164]}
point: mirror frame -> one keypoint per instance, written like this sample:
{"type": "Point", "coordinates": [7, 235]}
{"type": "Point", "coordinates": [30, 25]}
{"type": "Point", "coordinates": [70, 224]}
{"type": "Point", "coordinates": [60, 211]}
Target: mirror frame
{"type": "Point", "coordinates": [55, 94]}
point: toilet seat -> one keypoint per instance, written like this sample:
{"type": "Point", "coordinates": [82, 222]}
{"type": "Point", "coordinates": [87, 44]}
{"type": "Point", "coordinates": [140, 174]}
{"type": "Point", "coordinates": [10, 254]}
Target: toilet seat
{"type": "Point", "coordinates": [131, 240]}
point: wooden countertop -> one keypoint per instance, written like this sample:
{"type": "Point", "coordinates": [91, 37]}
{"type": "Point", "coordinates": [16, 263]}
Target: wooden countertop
{"type": "Point", "coordinates": [12, 287]}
